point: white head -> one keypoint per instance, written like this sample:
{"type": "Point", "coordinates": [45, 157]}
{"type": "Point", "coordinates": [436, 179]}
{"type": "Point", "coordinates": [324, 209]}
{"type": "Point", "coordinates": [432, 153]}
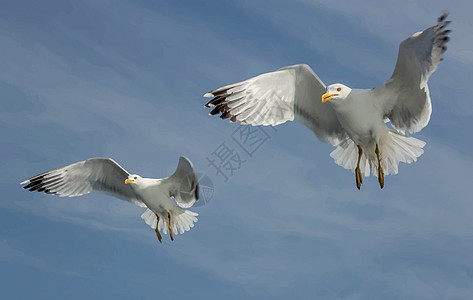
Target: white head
{"type": "Point", "coordinates": [133, 179]}
{"type": "Point", "coordinates": [336, 91]}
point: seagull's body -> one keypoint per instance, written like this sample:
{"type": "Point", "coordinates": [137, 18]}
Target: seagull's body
{"type": "Point", "coordinates": [353, 120]}
{"type": "Point", "coordinates": [152, 189]}
{"type": "Point", "coordinates": [104, 175]}
{"type": "Point", "coordinates": [360, 118]}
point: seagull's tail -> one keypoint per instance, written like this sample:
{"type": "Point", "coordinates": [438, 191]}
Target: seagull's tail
{"type": "Point", "coordinates": [181, 220]}
{"type": "Point", "coordinates": [399, 148]}
{"type": "Point", "coordinates": [394, 148]}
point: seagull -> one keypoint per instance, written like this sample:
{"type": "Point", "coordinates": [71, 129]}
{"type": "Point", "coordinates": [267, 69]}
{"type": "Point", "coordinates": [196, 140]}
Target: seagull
{"type": "Point", "coordinates": [352, 120]}
{"type": "Point", "coordinates": [104, 175]}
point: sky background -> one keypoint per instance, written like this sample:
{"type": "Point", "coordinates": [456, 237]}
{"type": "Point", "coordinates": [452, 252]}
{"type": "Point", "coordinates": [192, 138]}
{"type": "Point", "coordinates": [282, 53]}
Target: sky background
{"type": "Point", "coordinates": [124, 79]}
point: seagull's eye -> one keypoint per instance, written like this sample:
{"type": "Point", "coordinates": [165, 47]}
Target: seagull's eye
{"type": "Point", "coordinates": [136, 177]}
{"type": "Point", "coordinates": [339, 89]}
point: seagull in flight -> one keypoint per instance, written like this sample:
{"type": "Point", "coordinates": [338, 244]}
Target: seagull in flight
{"type": "Point", "coordinates": [352, 120]}
{"type": "Point", "coordinates": [104, 175]}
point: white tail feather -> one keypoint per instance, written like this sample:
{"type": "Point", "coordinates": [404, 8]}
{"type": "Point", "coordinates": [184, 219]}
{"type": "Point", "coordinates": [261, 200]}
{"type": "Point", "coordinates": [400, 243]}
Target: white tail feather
{"type": "Point", "coordinates": [394, 148]}
{"type": "Point", "coordinates": [182, 220]}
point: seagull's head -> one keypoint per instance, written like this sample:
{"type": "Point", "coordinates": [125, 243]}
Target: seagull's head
{"type": "Point", "coordinates": [336, 91]}
{"type": "Point", "coordinates": [133, 179]}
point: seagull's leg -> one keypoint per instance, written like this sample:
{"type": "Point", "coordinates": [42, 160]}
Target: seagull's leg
{"type": "Point", "coordinates": [169, 227]}
{"type": "Point", "coordinates": [380, 169]}
{"type": "Point", "coordinates": [359, 179]}
{"type": "Point", "coordinates": [157, 230]}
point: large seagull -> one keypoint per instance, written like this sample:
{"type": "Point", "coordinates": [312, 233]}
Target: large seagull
{"type": "Point", "coordinates": [352, 120]}
{"type": "Point", "coordinates": [104, 175]}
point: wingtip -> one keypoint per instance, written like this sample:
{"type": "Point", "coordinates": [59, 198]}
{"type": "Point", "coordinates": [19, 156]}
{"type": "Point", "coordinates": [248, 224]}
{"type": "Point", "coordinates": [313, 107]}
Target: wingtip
{"type": "Point", "coordinates": [208, 95]}
{"type": "Point", "coordinates": [25, 182]}
{"type": "Point", "coordinates": [443, 16]}
{"type": "Point", "coordinates": [182, 157]}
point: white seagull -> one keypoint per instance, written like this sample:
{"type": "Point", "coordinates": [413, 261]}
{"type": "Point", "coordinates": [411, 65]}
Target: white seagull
{"type": "Point", "coordinates": [352, 120]}
{"type": "Point", "coordinates": [104, 175]}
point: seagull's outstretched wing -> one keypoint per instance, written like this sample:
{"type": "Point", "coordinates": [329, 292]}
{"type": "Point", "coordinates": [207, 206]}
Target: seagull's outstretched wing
{"type": "Point", "coordinates": [96, 174]}
{"type": "Point", "coordinates": [290, 93]}
{"type": "Point", "coordinates": [183, 185]}
{"type": "Point", "coordinates": [405, 97]}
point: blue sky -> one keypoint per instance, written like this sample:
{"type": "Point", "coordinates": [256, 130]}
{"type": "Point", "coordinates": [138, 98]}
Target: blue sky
{"type": "Point", "coordinates": [124, 79]}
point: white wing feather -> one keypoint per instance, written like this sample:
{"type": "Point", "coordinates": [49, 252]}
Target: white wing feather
{"type": "Point", "coordinates": [183, 185]}
{"type": "Point", "coordinates": [405, 98]}
{"type": "Point", "coordinates": [102, 175]}
{"type": "Point", "coordinates": [290, 93]}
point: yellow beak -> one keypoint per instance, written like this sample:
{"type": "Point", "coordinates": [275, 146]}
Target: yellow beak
{"type": "Point", "coordinates": [127, 181]}
{"type": "Point", "coordinates": [327, 96]}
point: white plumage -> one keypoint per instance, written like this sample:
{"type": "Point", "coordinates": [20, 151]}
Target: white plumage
{"type": "Point", "coordinates": [104, 175]}
{"type": "Point", "coordinates": [354, 120]}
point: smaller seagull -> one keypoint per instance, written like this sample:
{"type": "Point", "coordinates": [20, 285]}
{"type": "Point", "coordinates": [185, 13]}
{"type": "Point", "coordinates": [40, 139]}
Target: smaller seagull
{"type": "Point", "coordinates": [104, 175]}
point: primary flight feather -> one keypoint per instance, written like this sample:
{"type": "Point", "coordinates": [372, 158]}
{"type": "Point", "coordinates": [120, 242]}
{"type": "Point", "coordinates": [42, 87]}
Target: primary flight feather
{"type": "Point", "coordinates": [352, 120]}
{"type": "Point", "coordinates": [104, 175]}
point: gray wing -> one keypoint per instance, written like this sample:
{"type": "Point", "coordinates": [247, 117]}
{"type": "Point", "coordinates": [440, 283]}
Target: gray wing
{"type": "Point", "coordinates": [405, 97]}
{"type": "Point", "coordinates": [183, 185]}
{"type": "Point", "coordinates": [102, 175]}
{"type": "Point", "coordinates": [288, 94]}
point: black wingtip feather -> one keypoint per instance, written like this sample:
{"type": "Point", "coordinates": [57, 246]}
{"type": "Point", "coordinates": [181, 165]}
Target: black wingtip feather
{"type": "Point", "coordinates": [443, 16]}
{"type": "Point", "coordinates": [442, 34]}
{"type": "Point", "coordinates": [215, 101]}
{"type": "Point", "coordinates": [445, 39]}
{"type": "Point", "coordinates": [197, 192]}
{"type": "Point", "coordinates": [34, 181]}
{"type": "Point", "coordinates": [34, 188]}
{"type": "Point", "coordinates": [32, 184]}
{"type": "Point", "coordinates": [225, 115]}
{"type": "Point", "coordinates": [222, 93]}
{"type": "Point", "coordinates": [215, 111]}
{"type": "Point", "coordinates": [220, 102]}
{"type": "Point", "coordinates": [38, 183]}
